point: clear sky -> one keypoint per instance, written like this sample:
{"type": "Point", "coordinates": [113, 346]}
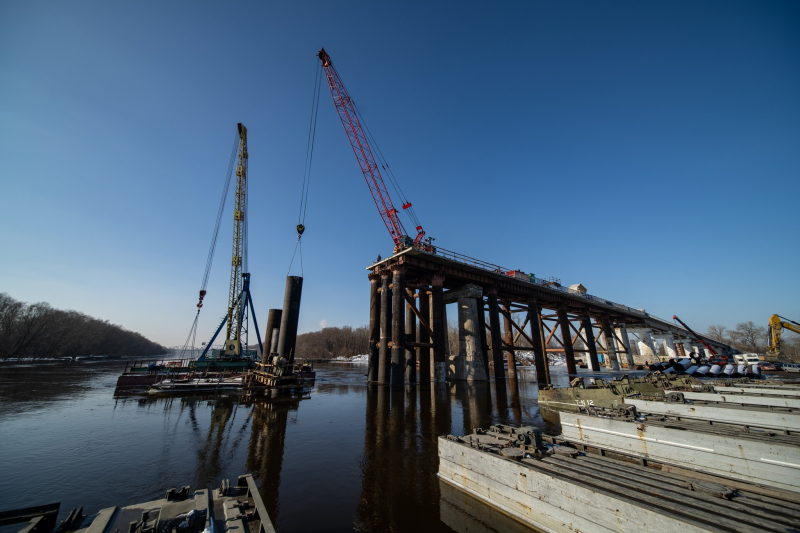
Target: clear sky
{"type": "Point", "coordinates": [649, 150]}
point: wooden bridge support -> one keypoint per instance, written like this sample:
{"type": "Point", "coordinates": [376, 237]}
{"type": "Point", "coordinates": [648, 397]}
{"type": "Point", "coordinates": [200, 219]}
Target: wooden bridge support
{"type": "Point", "coordinates": [481, 308]}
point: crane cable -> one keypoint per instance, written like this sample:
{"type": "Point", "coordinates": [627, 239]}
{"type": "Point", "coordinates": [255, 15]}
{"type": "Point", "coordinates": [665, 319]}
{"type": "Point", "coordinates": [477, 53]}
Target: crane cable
{"type": "Point", "coordinates": [382, 161]}
{"type": "Point", "coordinates": [210, 258]}
{"type": "Point", "coordinates": [312, 133]}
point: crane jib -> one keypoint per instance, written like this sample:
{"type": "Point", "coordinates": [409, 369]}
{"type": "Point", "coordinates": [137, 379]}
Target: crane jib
{"type": "Point", "coordinates": [364, 155]}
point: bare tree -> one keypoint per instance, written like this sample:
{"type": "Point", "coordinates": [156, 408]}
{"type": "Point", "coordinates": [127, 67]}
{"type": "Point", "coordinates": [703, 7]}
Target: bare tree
{"type": "Point", "coordinates": [718, 333]}
{"type": "Point", "coordinates": [748, 337]}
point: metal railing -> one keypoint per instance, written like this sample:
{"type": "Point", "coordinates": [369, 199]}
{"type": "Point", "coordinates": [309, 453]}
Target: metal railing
{"type": "Point", "coordinates": [551, 283]}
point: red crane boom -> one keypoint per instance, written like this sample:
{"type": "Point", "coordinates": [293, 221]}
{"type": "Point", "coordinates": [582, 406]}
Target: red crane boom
{"type": "Point", "coordinates": [696, 336]}
{"type": "Point", "coordinates": [366, 160]}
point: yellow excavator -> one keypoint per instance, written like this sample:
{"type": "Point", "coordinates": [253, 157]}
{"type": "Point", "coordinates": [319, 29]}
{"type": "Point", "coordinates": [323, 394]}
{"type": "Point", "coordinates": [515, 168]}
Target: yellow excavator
{"type": "Point", "coordinates": [775, 328]}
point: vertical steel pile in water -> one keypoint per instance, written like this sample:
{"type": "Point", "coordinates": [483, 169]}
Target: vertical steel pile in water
{"type": "Point", "coordinates": [271, 335]}
{"type": "Point", "coordinates": [287, 338]}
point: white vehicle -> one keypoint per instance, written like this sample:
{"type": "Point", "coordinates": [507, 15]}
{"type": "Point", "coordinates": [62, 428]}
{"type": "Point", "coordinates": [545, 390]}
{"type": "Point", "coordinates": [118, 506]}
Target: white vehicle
{"type": "Point", "coordinates": [790, 367]}
{"type": "Point", "coordinates": [747, 358]}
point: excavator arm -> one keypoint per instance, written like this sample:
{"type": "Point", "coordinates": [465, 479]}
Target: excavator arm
{"type": "Point", "coordinates": [775, 328]}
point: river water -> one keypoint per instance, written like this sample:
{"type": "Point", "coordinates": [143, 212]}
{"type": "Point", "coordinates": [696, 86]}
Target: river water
{"type": "Point", "coordinates": [346, 456]}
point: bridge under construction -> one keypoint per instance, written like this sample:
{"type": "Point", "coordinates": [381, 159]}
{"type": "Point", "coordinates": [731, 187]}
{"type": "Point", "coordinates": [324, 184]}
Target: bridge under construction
{"type": "Point", "coordinates": [410, 292]}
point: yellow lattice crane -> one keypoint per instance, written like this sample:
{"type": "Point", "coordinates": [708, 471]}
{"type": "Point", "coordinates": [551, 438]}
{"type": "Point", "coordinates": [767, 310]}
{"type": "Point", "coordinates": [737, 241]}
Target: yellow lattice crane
{"type": "Point", "coordinates": [236, 304]}
{"type": "Point", "coordinates": [775, 328]}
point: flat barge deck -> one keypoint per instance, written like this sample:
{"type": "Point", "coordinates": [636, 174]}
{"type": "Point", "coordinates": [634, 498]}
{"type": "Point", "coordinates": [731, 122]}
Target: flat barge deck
{"type": "Point", "coordinates": [557, 488]}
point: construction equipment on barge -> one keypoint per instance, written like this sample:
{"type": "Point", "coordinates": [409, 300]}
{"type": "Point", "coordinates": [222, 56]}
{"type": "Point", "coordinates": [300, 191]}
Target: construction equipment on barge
{"type": "Point", "coordinates": [611, 393]}
{"type": "Point", "coordinates": [228, 509]}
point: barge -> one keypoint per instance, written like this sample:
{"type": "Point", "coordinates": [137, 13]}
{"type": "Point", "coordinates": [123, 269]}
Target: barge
{"type": "Point", "coordinates": [229, 509]}
{"type": "Point", "coordinates": [553, 485]}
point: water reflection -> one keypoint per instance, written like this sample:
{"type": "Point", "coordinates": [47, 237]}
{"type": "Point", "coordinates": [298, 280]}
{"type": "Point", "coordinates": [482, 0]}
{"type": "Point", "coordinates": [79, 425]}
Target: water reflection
{"type": "Point", "coordinates": [399, 487]}
{"type": "Point", "coordinates": [365, 456]}
{"type": "Point", "coordinates": [266, 448]}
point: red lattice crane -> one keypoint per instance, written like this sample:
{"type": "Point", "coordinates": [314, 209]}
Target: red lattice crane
{"type": "Point", "coordinates": [366, 160]}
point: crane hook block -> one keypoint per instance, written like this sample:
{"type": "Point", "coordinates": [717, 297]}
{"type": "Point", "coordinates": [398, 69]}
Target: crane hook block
{"type": "Point", "coordinates": [300, 229]}
{"type": "Point", "coordinates": [406, 205]}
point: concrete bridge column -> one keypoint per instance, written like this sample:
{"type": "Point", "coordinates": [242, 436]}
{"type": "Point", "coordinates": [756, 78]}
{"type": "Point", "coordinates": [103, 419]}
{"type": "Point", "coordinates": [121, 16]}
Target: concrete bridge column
{"type": "Point", "coordinates": [669, 346]}
{"type": "Point", "coordinates": [647, 349]}
{"type": "Point", "coordinates": [588, 332]}
{"type": "Point", "coordinates": [622, 333]}
{"type": "Point", "coordinates": [469, 339]}
{"type": "Point", "coordinates": [611, 360]}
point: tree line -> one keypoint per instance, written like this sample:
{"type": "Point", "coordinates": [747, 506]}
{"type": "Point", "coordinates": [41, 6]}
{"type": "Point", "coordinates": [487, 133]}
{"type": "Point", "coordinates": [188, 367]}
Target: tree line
{"type": "Point", "coordinates": [38, 330]}
{"type": "Point", "coordinates": [329, 343]}
{"type": "Point", "coordinates": [747, 337]}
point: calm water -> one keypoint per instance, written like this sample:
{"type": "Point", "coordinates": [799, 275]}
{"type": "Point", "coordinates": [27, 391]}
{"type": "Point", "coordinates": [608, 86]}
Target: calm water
{"type": "Point", "coordinates": [346, 457]}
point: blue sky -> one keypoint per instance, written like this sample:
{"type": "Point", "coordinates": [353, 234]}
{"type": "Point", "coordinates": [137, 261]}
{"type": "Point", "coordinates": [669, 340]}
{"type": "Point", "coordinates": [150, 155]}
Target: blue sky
{"type": "Point", "coordinates": [649, 150]}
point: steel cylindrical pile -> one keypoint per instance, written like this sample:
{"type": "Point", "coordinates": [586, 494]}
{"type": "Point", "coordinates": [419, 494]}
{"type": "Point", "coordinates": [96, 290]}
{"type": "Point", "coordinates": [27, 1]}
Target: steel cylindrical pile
{"type": "Point", "coordinates": [287, 338]}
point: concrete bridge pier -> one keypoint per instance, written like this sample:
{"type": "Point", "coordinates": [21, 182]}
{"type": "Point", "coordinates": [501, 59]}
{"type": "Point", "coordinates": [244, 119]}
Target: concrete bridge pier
{"type": "Point", "coordinates": [669, 345]}
{"type": "Point", "coordinates": [469, 333]}
{"type": "Point", "coordinates": [625, 345]}
{"type": "Point", "coordinates": [647, 349]}
{"type": "Point", "coordinates": [608, 341]}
